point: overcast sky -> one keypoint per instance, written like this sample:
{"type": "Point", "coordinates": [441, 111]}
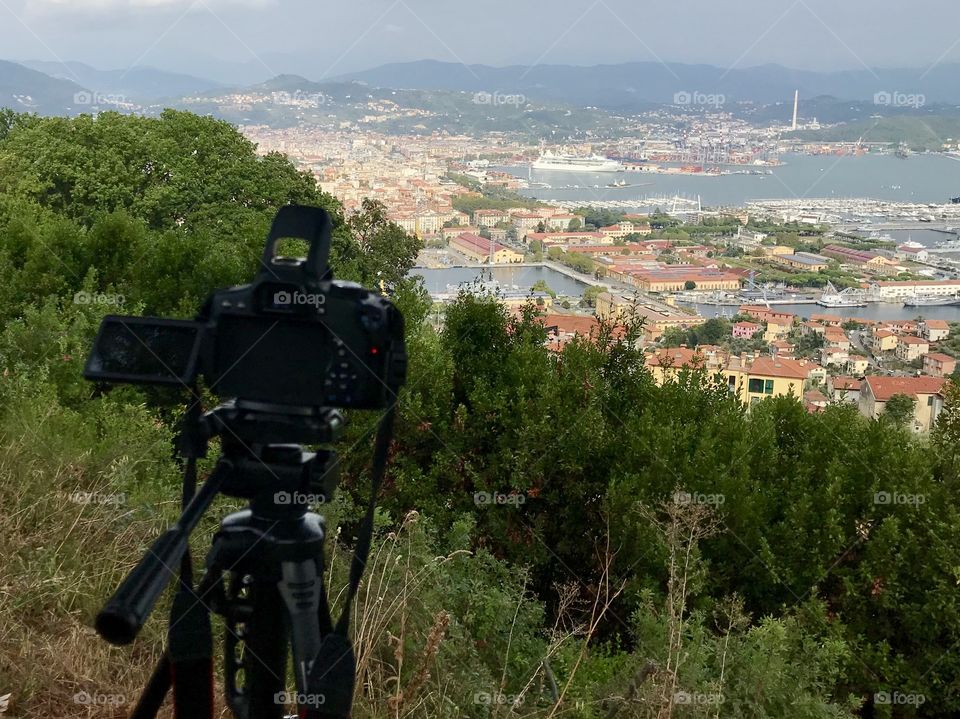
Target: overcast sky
{"type": "Point", "coordinates": [226, 39]}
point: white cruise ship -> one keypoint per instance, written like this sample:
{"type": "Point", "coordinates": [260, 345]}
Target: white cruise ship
{"type": "Point", "coordinates": [572, 163]}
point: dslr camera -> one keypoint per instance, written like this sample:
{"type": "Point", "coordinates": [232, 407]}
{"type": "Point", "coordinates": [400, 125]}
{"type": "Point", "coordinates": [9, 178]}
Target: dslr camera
{"type": "Point", "coordinates": [294, 338]}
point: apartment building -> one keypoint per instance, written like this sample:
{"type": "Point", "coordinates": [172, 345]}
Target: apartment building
{"type": "Point", "coordinates": [937, 364]}
{"type": "Point", "coordinates": [910, 348]}
{"type": "Point", "coordinates": [876, 391]}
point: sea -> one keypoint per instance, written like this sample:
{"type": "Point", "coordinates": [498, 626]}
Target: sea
{"type": "Point", "coordinates": [919, 178]}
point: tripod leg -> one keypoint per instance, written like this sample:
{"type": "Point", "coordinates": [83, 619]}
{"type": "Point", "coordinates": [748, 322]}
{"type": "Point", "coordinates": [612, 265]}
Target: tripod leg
{"type": "Point", "coordinates": [302, 591]}
{"type": "Point", "coordinates": [155, 691]}
{"type": "Point", "coordinates": [260, 692]}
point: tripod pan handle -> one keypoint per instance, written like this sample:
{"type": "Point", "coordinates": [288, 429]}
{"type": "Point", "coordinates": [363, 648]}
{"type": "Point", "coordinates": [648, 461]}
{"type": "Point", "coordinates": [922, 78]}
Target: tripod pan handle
{"type": "Point", "coordinates": [124, 615]}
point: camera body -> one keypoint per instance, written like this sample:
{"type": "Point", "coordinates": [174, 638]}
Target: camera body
{"type": "Point", "coordinates": [294, 337]}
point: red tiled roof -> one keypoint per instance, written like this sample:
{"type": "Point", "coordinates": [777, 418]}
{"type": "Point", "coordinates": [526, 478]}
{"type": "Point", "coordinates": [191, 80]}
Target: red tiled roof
{"type": "Point", "coordinates": [883, 388]}
{"type": "Point", "coordinates": [846, 383]}
{"type": "Point", "coordinates": [477, 243]}
{"type": "Point", "coordinates": [675, 357]}
{"type": "Point", "coordinates": [781, 367]}
{"type": "Point", "coordinates": [571, 324]}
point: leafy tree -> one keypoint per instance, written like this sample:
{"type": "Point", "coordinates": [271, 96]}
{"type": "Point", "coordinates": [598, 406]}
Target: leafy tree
{"type": "Point", "coordinates": [809, 343]}
{"type": "Point", "coordinates": [673, 337]}
{"type": "Point", "coordinates": [590, 295]}
{"type": "Point", "coordinates": [381, 250]}
{"type": "Point", "coordinates": [175, 171]}
{"type": "Point", "coordinates": [946, 434]}
{"type": "Point", "coordinates": [689, 285]}
{"type": "Point", "coordinates": [900, 409]}
{"type": "Point", "coordinates": [10, 120]}
{"type": "Point", "coordinates": [542, 286]}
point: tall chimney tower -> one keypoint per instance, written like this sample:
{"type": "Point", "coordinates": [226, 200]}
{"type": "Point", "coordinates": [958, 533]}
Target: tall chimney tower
{"type": "Point", "coordinates": [796, 103]}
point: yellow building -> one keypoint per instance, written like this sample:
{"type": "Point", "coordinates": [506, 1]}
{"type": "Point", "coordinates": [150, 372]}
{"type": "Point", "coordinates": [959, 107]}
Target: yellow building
{"type": "Point", "coordinates": [884, 341]}
{"type": "Point", "coordinates": [776, 250]}
{"type": "Point", "coordinates": [911, 348]}
{"type": "Point", "coordinates": [751, 379]}
{"type": "Point", "coordinates": [655, 319]}
{"type": "Point", "coordinates": [669, 361]}
{"type": "Point", "coordinates": [484, 250]}
{"type": "Point", "coordinates": [806, 261]}
{"type": "Point", "coordinates": [776, 330]}
{"type": "Point", "coordinates": [926, 392]}
{"type": "Point", "coordinates": [674, 279]}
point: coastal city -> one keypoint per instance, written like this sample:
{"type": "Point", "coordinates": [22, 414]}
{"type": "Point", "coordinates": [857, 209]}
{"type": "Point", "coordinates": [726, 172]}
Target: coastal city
{"type": "Point", "coordinates": [828, 299]}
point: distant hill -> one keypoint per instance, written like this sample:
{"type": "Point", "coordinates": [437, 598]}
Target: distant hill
{"type": "Point", "coordinates": [919, 133]}
{"type": "Point", "coordinates": [287, 100]}
{"type": "Point", "coordinates": [27, 90]}
{"type": "Point", "coordinates": [142, 85]}
{"type": "Point", "coordinates": [634, 86]}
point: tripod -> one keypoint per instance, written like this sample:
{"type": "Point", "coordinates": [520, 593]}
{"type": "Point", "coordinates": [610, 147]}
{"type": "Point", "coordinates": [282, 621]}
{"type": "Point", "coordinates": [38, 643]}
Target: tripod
{"type": "Point", "coordinates": [264, 572]}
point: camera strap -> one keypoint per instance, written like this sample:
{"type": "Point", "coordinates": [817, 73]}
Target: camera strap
{"type": "Point", "coordinates": [333, 672]}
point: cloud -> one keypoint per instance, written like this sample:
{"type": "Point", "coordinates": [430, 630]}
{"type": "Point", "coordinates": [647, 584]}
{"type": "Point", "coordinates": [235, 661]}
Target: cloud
{"type": "Point", "coordinates": [48, 7]}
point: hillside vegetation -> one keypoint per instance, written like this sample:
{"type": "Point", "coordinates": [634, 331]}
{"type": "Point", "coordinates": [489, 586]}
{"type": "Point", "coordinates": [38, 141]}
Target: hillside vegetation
{"type": "Point", "coordinates": [558, 536]}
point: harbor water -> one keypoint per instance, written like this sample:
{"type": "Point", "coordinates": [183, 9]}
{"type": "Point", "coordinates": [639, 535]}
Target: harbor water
{"type": "Point", "coordinates": [520, 278]}
{"type": "Point", "coordinates": [873, 311]}
{"type": "Point", "coordinates": [930, 178]}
